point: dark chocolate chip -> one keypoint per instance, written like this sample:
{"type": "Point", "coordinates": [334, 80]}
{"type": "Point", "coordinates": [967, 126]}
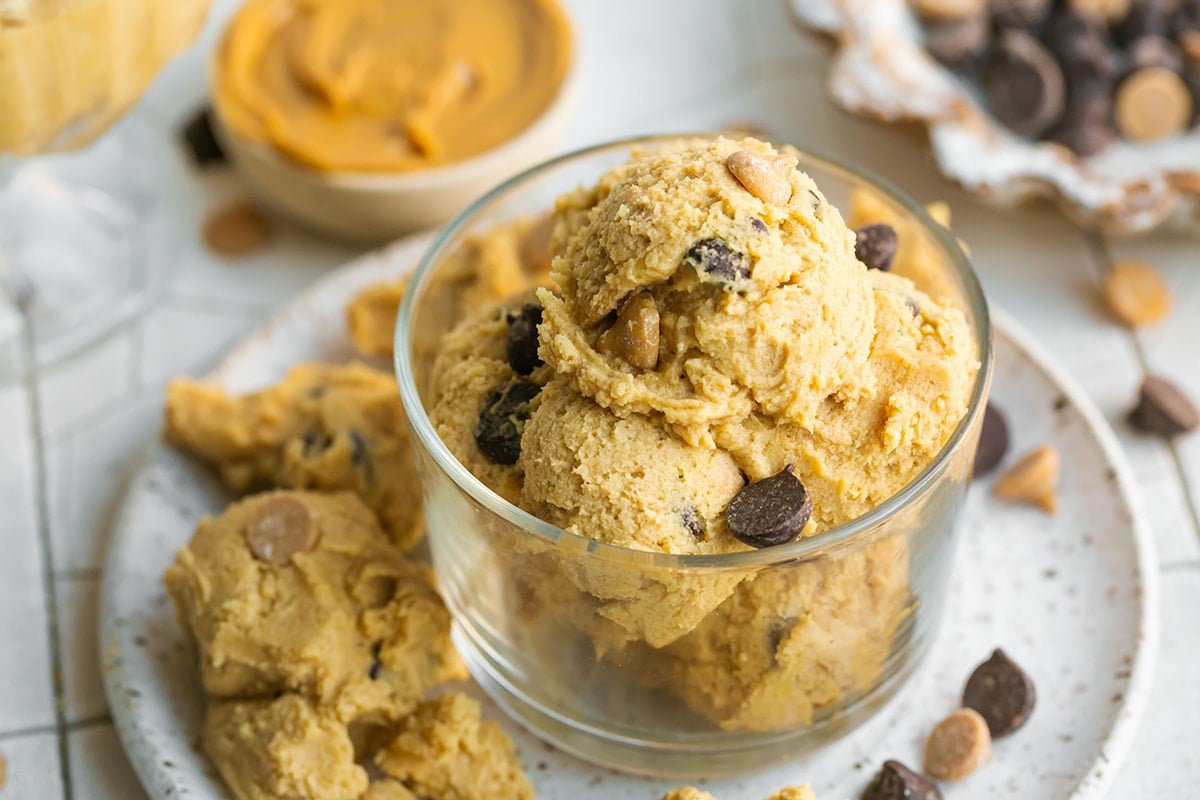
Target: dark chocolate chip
{"type": "Point", "coordinates": [202, 144]}
{"type": "Point", "coordinates": [1023, 14]}
{"type": "Point", "coordinates": [714, 259]}
{"type": "Point", "coordinates": [777, 631]}
{"type": "Point", "coordinates": [360, 456]}
{"type": "Point", "coordinates": [1154, 51]}
{"type": "Point", "coordinates": [315, 442]}
{"type": "Point", "coordinates": [894, 781]}
{"type": "Point", "coordinates": [1025, 86]}
{"type": "Point", "coordinates": [875, 245]}
{"type": "Point", "coordinates": [758, 225]}
{"type": "Point", "coordinates": [1145, 18]}
{"type": "Point", "coordinates": [958, 43]}
{"type": "Point", "coordinates": [521, 343]}
{"type": "Point", "coordinates": [1086, 131]}
{"type": "Point", "coordinates": [1076, 38]}
{"type": "Point", "coordinates": [1163, 409]}
{"type": "Point", "coordinates": [815, 199]}
{"type": "Point", "coordinates": [1002, 694]}
{"type": "Point", "coordinates": [376, 667]}
{"type": "Point", "coordinates": [771, 511]}
{"type": "Point", "coordinates": [993, 441]}
{"type": "Point", "coordinates": [692, 522]}
{"type": "Point", "coordinates": [503, 418]}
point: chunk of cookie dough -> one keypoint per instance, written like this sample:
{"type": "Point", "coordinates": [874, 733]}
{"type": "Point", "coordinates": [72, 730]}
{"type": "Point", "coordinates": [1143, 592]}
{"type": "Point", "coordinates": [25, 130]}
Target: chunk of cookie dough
{"type": "Point", "coordinates": [326, 427]}
{"type": "Point", "coordinates": [445, 751]}
{"type": "Point", "coordinates": [389, 790]}
{"type": "Point", "coordinates": [282, 749]}
{"type": "Point", "coordinates": [371, 317]}
{"type": "Point", "coordinates": [303, 592]}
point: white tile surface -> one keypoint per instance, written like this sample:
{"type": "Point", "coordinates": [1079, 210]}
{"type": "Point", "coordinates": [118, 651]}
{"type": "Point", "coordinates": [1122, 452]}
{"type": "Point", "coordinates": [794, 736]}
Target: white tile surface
{"type": "Point", "coordinates": [82, 690]}
{"type": "Point", "coordinates": [166, 354]}
{"type": "Point", "coordinates": [34, 771]}
{"type": "Point", "coordinates": [86, 384]}
{"type": "Point", "coordinates": [99, 769]}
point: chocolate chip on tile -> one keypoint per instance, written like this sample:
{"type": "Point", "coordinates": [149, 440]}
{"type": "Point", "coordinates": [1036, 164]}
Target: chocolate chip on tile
{"type": "Point", "coordinates": [958, 745]}
{"type": "Point", "coordinates": [958, 43]}
{"type": "Point", "coordinates": [502, 420]}
{"type": "Point", "coordinates": [1032, 480]}
{"type": "Point", "coordinates": [1136, 293]}
{"type": "Point", "coordinates": [1002, 694]}
{"type": "Point", "coordinates": [894, 781]}
{"type": "Point", "coordinates": [714, 260]}
{"type": "Point", "coordinates": [875, 245]}
{"type": "Point", "coordinates": [1025, 86]}
{"type": "Point", "coordinates": [521, 341]}
{"type": "Point", "coordinates": [201, 142]}
{"type": "Point", "coordinates": [771, 511]}
{"type": "Point", "coordinates": [993, 441]}
{"type": "Point", "coordinates": [281, 527]}
{"type": "Point", "coordinates": [1162, 408]}
{"type": "Point", "coordinates": [236, 230]}
{"type": "Point", "coordinates": [761, 176]}
{"type": "Point", "coordinates": [633, 338]}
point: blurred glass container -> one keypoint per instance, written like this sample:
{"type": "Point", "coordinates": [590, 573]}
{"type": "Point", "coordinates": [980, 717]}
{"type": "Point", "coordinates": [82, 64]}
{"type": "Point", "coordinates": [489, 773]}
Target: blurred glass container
{"type": "Point", "coordinates": [815, 635]}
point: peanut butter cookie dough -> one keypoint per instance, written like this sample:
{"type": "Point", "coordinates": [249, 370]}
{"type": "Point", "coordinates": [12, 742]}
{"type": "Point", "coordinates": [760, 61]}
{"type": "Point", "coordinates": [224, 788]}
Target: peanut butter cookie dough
{"type": "Point", "coordinates": [324, 427]}
{"type": "Point", "coordinates": [712, 328]}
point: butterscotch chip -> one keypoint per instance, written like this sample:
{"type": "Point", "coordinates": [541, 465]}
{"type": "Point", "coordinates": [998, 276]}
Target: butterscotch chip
{"type": "Point", "coordinates": [633, 338]}
{"type": "Point", "coordinates": [959, 745]}
{"type": "Point", "coordinates": [1108, 10]}
{"type": "Point", "coordinates": [1152, 104]}
{"type": "Point", "coordinates": [761, 176]}
{"type": "Point", "coordinates": [1136, 292]}
{"type": "Point", "coordinates": [3, 771]}
{"type": "Point", "coordinates": [1032, 480]}
{"type": "Point", "coordinates": [282, 527]}
{"type": "Point", "coordinates": [236, 230]}
{"type": "Point", "coordinates": [949, 9]}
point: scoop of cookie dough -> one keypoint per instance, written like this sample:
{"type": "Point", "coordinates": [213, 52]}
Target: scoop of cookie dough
{"type": "Point", "coordinates": [446, 751]}
{"type": "Point", "coordinates": [326, 427]}
{"type": "Point", "coordinates": [303, 592]}
{"type": "Point", "coordinates": [282, 749]}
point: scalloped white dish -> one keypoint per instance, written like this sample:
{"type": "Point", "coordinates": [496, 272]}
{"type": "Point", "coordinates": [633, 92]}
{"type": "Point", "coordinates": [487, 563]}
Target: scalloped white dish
{"type": "Point", "coordinates": [881, 70]}
{"type": "Point", "coordinates": [1073, 598]}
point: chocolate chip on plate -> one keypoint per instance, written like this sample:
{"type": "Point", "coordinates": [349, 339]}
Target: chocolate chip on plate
{"type": "Point", "coordinates": [503, 418]}
{"type": "Point", "coordinates": [715, 260]}
{"type": "Point", "coordinates": [521, 342]}
{"type": "Point", "coordinates": [201, 142]}
{"type": "Point", "coordinates": [771, 511]}
{"type": "Point", "coordinates": [1162, 408]}
{"type": "Point", "coordinates": [281, 527]}
{"type": "Point", "coordinates": [1025, 86]}
{"type": "Point", "coordinates": [993, 441]}
{"type": "Point", "coordinates": [1002, 693]}
{"type": "Point", "coordinates": [894, 781]}
{"type": "Point", "coordinates": [633, 338]}
{"type": "Point", "coordinates": [958, 745]}
{"type": "Point", "coordinates": [875, 245]}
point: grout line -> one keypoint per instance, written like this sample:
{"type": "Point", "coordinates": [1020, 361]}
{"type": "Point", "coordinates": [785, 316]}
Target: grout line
{"type": "Point", "coordinates": [90, 722]}
{"type": "Point", "coordinates": [21, 733]}
{"type": "Point", "coordinates": [1099, 248]}
{"type": "Point", "coordinates": [78, 574]}
{"type": "Point", "coordinates": [41, 494]}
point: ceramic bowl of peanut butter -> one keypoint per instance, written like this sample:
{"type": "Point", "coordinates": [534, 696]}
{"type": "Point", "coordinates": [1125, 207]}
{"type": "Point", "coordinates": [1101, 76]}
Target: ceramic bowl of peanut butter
{"type": "Point", "coordinates": [369, 119]}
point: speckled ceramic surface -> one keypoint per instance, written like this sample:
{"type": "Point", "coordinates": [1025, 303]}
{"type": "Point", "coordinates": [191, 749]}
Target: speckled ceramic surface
{"type": "Point", "coordinates": [881, 70]}
{"type": "Point", "coordinates": [1072, 598]}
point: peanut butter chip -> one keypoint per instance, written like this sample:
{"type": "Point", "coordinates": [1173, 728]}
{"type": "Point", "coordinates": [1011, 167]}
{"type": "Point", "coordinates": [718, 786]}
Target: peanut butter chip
{"type": "Point", "coordinates": [634, 336]}
{"type": "Point", "coordinates": [959, 745]}
{"type": "Point", "coordinates": [1152, 104]}
{"type": "Point", "coordinates": [949, 9]}
{"type": "Point", "coordinates": [1032, 480]}
{"type": "Point", "coordinates": [282, 527]}
{"type": "Point", "coordinates": [3, 771]}
{"type": "Point", "coordinates": [1136, 292]}
{"type": "Point", "coordinates": [762, 176]}
{"type": "Point", "coordinates": [236, 230]}
{"type": "Point", "coordinates": [1108, 10]}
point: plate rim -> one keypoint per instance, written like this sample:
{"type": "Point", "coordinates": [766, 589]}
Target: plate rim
{"type": "Point", "coordinates": [1092, 785]}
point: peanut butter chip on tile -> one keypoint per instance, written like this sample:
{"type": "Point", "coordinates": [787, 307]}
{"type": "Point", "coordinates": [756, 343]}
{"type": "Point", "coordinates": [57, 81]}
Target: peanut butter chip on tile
{"type": "Point", "coordinates": [236, 230]}
{"type": "Point", "coordinates": [1033, 480]}
{"type": "Point", "coordinates": [762, 176]}
{"type": "Point", "coordinates": [959, 745]}
{"type": "Point", "coordinates": [633, 338]}
{"type": "Point", "coordinates": [1152, 104]}
{"type": "Point", "coordinates": [1136, 292]}
{"type": "Point", "coordinates": [282, 527]}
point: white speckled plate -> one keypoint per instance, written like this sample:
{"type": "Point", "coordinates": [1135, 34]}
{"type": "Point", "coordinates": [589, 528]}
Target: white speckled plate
{"type": "Point", "coordinates": [1073, 598]}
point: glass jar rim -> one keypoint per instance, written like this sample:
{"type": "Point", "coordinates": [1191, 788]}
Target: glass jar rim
{"type": "Point", "coordinates": [804, 548]}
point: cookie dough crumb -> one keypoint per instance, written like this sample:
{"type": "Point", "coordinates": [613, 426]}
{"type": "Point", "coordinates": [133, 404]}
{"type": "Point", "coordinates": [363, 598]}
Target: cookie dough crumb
{"type": "Point", "coordinates": [1032, 480]}
{"type": "Point", "coordinates": [371, 317]}
{"type": "Point", "coordinates": [283, 749]}
{"type": "Point", "coordinates": [1136, 293]}
{"type": "Point", "coordinates": [446, 751]}
{"type": "Point", "coordinates": [958, 745]}
{"type": "Point", "coordinates": [389, 790]}
{"type": "Point", "coordinates": [236, 230]}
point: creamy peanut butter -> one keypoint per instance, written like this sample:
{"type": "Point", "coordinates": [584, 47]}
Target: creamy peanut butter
{"type": "Point", "coordinates": [69, 68]}
{"type": "Point", "coordinates": [389, 85]}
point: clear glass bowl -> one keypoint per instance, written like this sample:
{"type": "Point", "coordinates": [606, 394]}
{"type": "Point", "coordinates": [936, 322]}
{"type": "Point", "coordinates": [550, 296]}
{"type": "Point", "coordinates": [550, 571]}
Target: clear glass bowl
{"type": "Point", "coordinates": [534, 605]}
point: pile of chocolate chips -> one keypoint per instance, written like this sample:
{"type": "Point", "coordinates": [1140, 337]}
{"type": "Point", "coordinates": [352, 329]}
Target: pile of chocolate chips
{"type": "Point", "coordinates": [1078, 72]}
